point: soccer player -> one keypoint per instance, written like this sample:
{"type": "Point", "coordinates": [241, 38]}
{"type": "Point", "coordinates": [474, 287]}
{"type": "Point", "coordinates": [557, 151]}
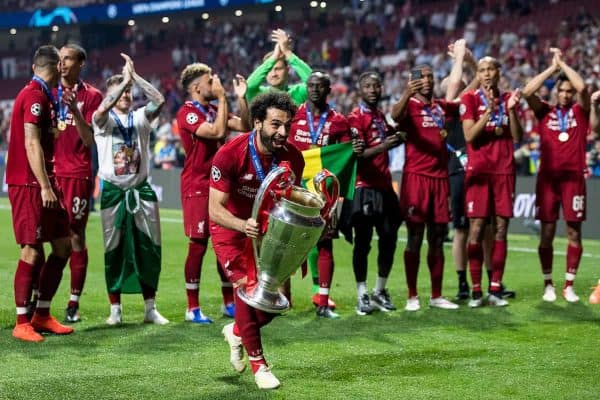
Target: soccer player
{"type": "Point", "coordinates": [316, 125]}
{"type": "Point", "coordinates": [77, 101]}
{"type": "Point", "coordinates": [275, 70]}
{"type": "Point", "coordinates": [238, 169]}
{"type": "Point", "coordinates": [38, 214]}
{"type": "Point", "coordinates": [563, 129]}
{"type": "Point", "coordinates": [595, 125]}
{"type": "Point", "coordinates": [128, 205]}
{"type": "Point", "coordinates": [375, 204]}
{"type": "Point", "coordinates": [425, 191]}
{"type": "Point", "coordinates": [203, 127]}
{"type": "Point", "coordinates": [491, 126]}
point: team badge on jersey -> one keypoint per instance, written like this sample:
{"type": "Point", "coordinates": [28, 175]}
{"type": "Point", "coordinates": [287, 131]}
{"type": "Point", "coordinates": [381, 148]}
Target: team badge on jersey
{"type": "Point", "coordinates": [36, 109]}
{"type": "Point", "coordinates": [462, 109]}
{"type": "Point", "coordinates": [215, 173]}
{"type": "Point", "coordinates": [191, 118]}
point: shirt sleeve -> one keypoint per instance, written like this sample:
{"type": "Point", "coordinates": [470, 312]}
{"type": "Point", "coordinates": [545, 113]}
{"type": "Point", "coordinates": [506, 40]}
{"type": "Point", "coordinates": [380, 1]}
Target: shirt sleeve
{"type": "Point", "coordinates": [257, 77]}
{"type": "Point", "coordinates": [468, 107]}
{"type": "Point", "coordinates": [101, 130]}
{"type": "Point", "coordinates": [35, 108]}
{"type": "Point", "coordinates": [91, 106]}
{"type": "Point", "coordinates": [222, 172]}
{"type": "Point", "coordinates": [302, 69]}
{"type": "Point", "coordinates": [140, 121]}
{"type": "Point", "coordinates": [355, 126]}
{"type": "Point", "coordinates": [343, 135]}
{"type": "Point", "coordinates": [189, 120]}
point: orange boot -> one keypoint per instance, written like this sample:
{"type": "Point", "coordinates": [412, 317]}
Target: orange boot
{"type": "Point", "coordinates": [595, 296]}
{"type": "Point", "coordinates": [26, 333]}
{"type": "Point", "coordinates": [49, 324]}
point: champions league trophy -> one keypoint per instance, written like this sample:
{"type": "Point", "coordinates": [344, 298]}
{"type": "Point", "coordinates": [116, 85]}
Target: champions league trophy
{"type": "Point", "coordinates": [291, 221]}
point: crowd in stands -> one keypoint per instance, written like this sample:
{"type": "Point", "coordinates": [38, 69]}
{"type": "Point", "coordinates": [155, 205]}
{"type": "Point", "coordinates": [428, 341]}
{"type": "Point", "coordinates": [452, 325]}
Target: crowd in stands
{"type": "Point", "coordinates": [390, 36]}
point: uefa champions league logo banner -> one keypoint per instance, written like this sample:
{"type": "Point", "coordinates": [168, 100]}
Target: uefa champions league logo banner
{"type": "Point", "coordinates": [112, 11]}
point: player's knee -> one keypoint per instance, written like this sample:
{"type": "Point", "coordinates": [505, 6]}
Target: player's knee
{"type": "Point", "coordinates": [62, 247]}
{"type": "Point", "coordinates": [30, 254]}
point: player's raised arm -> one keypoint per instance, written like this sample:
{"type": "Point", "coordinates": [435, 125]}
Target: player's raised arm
{"type": "Point", "coordinates": [536, 83]}
{"type": "Point", "coordinates": [516, 130]}
{"type": "Point", "coordinates": [101, 114]}
{"type": "Point", "coordinates": [156, 99]}
{"type": "Point", "coordinates": [241, 123]}
{"type": "Point", "coordinates": [583, 97]}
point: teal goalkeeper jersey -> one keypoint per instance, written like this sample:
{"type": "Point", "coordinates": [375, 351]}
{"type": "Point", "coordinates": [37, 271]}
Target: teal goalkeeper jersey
{"type": "Point", "coordinates": [296, 91]}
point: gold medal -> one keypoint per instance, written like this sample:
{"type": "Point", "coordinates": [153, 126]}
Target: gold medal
{"type": "Point", "coordinates": [62, 125]}
{"type": "Point", "coordinates": [563, 137]}
{"type": "Point", "coordinates": [498, 131]}
{"type": "Point", "coordinates": [443, 133]}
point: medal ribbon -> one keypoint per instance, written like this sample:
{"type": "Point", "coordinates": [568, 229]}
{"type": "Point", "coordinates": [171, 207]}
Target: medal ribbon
{"type": "Point", "coordinates": [127, 132]}
{"type": "Point", "coordinates": [260, 173]}
{"type": "Point", "coordinates": [62, 109]}
{"type": "Point", "coordinates": [46, 91]}
{"type": "Point", "coordinates": [208, 114]}
{"type": "Point", "coordinates": [437, 116]}
{"type": "Point", "coordinates": [496, 117]}
{"type": "Point", "coordinates": [563, 120]}
{"type": "Point", "coordinates": [376, 119]}
{"type": "Point", "coordinates": [314, 135]}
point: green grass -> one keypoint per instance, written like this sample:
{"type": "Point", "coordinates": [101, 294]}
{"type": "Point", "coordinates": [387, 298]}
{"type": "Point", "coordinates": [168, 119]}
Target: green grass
{"type": "Point", "coordinates": [529, 350]}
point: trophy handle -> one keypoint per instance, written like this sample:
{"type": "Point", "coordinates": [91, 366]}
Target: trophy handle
{"type": "Point", "coordinates": [330, 197]}
{"type": "Point", "coordinates": [277, 184]}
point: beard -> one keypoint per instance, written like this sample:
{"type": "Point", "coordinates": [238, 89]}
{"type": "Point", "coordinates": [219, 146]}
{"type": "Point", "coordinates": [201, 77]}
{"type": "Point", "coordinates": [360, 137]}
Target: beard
{"type": "Point", "coordinates": [269, 142]}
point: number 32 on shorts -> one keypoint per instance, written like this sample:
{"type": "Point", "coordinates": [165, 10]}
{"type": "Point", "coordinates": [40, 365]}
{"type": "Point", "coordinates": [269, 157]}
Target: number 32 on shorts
{"type": "Point", "coordinates": [79, 207]}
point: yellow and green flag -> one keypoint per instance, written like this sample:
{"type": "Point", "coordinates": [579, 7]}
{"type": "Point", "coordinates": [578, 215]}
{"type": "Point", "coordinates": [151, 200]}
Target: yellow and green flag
{"type": "Point", "coordinates": [339, 159]}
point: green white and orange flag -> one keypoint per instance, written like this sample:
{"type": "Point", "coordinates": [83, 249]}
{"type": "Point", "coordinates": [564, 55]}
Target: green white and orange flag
{"type": "Point", "coordinates": [339, 159]}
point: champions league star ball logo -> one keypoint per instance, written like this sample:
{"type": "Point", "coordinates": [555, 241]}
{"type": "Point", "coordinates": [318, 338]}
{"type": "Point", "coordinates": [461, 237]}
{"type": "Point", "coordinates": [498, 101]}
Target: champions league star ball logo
{"type": "Point", "coordinates": [215, 174]}
{"type": "Point", "coordinates": [36, 109]}
{"type": "Point", "coordinates": [191, 118]}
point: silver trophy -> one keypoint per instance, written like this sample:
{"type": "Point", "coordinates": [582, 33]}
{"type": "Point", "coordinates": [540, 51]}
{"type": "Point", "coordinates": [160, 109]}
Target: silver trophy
{"type": "Point", "coordinates": [292, 219]}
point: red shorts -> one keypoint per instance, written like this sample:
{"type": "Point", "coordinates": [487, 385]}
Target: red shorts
{"type": "Point", "coordinates": [567, 188]}
{"type": "Point", "coordinates": [231, 254]}
{"type": "Point", "coordinates": [76, 193]}
{"type": "Point", "coordinates": [32, 223]}
{"type": "Point", "coordinates": [489, 195]}
{"type": "Point", "coordinates": [195, 216]}
{"type": "Point", "coordinates": [424, 199]}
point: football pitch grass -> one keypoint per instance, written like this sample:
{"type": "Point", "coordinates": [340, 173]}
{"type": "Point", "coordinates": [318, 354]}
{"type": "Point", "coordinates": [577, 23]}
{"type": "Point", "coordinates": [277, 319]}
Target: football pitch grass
{"type": "Point", "coordinates": [528, 350]}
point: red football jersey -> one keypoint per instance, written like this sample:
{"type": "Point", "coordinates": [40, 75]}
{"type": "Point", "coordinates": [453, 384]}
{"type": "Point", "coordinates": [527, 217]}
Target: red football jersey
{"type": "Point", "coordinates": [72, 158]}
{"type": "Point", "coordinates": [560, 152]}
{"type": "Point", "coordinates": [31, 106]}
{"type": "Point", "coordinates": [371, 126]}
{"type": "Point", "coordinates": [335, 129]}
{"type": "Point", "coordinates": [233, 172]}
{"type": "Point", "coordinates": [199, 151]}
{"type": "Point", "coordinates": [426, 151]}
{"type": "Point", "coordinates": [489, 153]}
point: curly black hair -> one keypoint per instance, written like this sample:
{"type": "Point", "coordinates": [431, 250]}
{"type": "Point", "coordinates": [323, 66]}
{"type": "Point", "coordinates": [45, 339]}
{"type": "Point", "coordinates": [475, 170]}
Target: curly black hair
{"type": "Point", "coordinates": [271, 99]}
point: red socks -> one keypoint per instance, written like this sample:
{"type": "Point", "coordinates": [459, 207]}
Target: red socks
{"type": "Point", "coordinates": [325, 263]}
{"type": "Point", "coordinates": [22, 286]}
{"type": "Point", "coordinates": [475, 254]}
{"type": "Point", "coordinates": [498, 264]}
{"type": "Point", "coordinates": [193, 269]}
{"type": "Point", "coordinates": [435, 262]}
{"type": "Point", "coordinates": [78, 265]}
{"type": "Point", "coordinates": [573, 259]}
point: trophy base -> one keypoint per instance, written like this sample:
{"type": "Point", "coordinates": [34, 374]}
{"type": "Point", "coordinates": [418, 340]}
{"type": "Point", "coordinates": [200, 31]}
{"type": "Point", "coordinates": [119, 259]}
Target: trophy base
{"type": "Point", "coordinates": [264, 300]}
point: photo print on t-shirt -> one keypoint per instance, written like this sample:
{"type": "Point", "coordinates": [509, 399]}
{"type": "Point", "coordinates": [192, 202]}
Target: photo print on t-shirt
{"type": "Point", "coordinates": [126, 159]}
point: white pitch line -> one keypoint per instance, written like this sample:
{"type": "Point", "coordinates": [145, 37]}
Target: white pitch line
{"type": "Point", "coordinates": [510, 248]}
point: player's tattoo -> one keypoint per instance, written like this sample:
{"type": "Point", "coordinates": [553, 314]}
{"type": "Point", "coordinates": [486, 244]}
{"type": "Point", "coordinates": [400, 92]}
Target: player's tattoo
{"type": "Point", "coordinates": [157, 100]}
